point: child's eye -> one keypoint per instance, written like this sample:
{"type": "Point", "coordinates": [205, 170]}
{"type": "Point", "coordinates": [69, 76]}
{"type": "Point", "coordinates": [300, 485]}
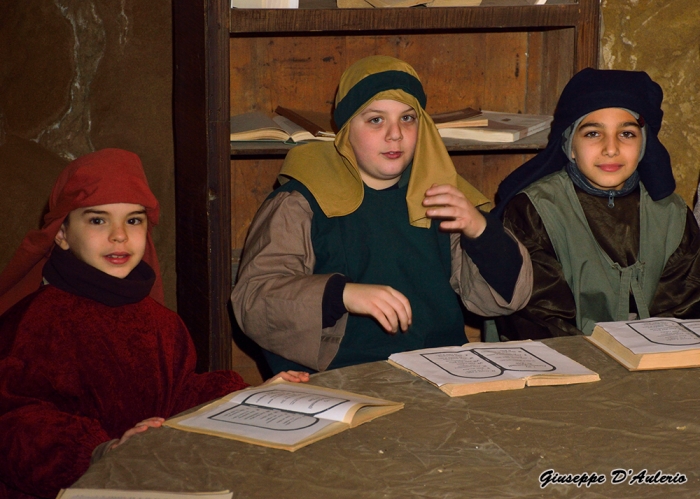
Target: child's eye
{"type": "Point", "coordinates": [375, 121]}
{"type": "Point", "coordinates": [135, 221]}
{"type": "Point", "coordinates": [592, 134]}
{"type": "Point", "coordinates": [408, 118]}
{"type": "Point", "coordinates": [628, 134]}
{"type": "Point", "coordinates": [96, 221]}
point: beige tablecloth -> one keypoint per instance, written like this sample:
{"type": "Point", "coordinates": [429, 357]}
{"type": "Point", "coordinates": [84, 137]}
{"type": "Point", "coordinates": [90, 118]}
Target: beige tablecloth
{"type": "Point", "coordinates": [487, 445]}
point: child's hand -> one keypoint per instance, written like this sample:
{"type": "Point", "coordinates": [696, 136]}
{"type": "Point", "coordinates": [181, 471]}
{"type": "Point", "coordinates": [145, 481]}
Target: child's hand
{"type": "Point", "coordinates": [139, 428]}
{"type": "Point", "coordinates": [389, 307]}
{"type": "Point", "coordinates": [458, 214]}
{"type": "Point", "coordinates": [293, 376]}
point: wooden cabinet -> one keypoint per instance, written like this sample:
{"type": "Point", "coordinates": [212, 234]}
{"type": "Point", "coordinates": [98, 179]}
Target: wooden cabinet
{"type": "Point", "coordinates": [229, 61]}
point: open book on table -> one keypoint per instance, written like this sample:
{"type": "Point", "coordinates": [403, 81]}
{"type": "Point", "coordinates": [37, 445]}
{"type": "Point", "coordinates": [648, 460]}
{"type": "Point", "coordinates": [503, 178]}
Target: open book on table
{"type": "Point", "coordinates": [656, 343]}
{"type": "Point", "coordinates": [488, 367]}
{"type": "Point", "coordinates": [258, 126]}
{"type": "Point", "coordinates": [501, 127]}
{"type": "Point", "coordinates": [284, 415]}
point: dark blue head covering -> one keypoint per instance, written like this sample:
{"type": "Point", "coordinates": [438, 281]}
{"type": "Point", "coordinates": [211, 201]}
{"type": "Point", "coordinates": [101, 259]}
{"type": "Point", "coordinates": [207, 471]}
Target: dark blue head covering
{"type": "Point", "coordinates": [588, 91]}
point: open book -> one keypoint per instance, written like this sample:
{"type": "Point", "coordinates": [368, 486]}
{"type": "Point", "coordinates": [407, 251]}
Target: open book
{"type": "Point", "coordinates": [315, 122]}
{"type": "Point", "coordinates": [502, 127]}
{"type": "Point", "coordinates": [284, 415]}
{"type": "Point", "coordinates": [656, 343]}
{"type": "Point", "coordinates": [258, 126]}
{"type": "Point", "coordinates": [489, 367]}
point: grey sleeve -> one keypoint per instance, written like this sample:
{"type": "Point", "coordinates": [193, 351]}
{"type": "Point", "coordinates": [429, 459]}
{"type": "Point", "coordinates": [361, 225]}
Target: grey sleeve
{"type": "Point", "coordinates": [277, 299]}
{"type": "Point", "coordinates": [475, 291]}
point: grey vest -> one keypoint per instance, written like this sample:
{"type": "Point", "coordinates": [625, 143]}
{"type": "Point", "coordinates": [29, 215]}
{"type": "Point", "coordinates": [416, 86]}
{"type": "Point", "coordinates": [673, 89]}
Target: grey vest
{"type": "Point", "coordinates": [601, 287]}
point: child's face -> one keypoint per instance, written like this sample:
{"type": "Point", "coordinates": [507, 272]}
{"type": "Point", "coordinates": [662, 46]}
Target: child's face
{"type": "Point", "coordinates": [383, 136]}
{"type": "Point", "coordinates": [606, 147]}
{"type": "Point", "coordinates": [110, 237]}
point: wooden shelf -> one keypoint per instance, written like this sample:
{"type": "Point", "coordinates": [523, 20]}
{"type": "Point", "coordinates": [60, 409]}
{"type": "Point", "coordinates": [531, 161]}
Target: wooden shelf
{"type": "Point", "coordinates": [229, 61]}
{"type": "Point", "coordinates": [270, 148]}
{"type": "Point", "coordinates": [323, 16]}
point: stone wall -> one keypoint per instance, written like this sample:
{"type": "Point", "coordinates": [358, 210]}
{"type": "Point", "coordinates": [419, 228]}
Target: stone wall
{"type": "Point", "coordinates": [662, 37]}
{"type": "Point", "coordinates": [77, 76]}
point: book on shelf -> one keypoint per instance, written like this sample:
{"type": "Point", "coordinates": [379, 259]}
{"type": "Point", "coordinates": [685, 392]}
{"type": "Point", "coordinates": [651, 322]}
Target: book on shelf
{"type": "Point", "coordinates": [264, 4]}
{"type": "Point", "coordinates": [656, 343]}
{"type": "Point", "coordinates": [502, 127]}
{"type": "Point", "coordinates": [489, 367]}
{"type": "Point", "coordinates": [317, 123]}
{"type": "Point", "coordinates": [353, 4]}
{"type": "Point", "coordinates": [74, 493]}
{"type": "Point", "coordinates": [284, 415]}
{"type": "Point", "coordinates": [364, 4]}
{"type": "Point", "coordinates": [259, 126]}
{"type": "Point", "coordinates": [516, 3]}
{"type": "Point", "coordinates": [453, 3]}
{"type": "Point", "coordinates": [379, 4]}
{"type": "Point", "coordinates": [461, 118]}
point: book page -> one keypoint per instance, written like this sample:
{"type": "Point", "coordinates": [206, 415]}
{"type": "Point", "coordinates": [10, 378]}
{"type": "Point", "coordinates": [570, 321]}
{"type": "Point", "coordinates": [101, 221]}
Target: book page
{"type": "Point", "coordinates": [138, 494]}
{"type": "Point", "coordinates": [281, 413]}
{"type": "Point", "coordinates": [655, 335]}
{"type": "Point", "coordinates": [255, 126]}
{"type": "Point", "coordinates": [296, 132]}
{"type": "Point", "coordinates": [476, 362]}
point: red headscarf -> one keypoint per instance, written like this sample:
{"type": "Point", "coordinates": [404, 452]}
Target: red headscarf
{"type": "Point", "coordinates": [103, 177]}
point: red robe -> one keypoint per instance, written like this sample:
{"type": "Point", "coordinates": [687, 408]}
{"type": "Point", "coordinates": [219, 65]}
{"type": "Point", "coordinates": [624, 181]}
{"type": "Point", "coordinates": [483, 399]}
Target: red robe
{"type": "Point", "coordinates": [75, 373]}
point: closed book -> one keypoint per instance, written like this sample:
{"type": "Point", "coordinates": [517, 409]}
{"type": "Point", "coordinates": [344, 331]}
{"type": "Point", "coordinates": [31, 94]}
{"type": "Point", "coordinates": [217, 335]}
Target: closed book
{"type": "Point", "coordinates": [502, 127]}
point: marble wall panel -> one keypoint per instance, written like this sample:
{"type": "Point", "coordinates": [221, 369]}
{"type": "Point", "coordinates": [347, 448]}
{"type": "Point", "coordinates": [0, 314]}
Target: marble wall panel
{"type": "Point", "coordinates": [662, 37]}
{"type": "Point", "coordinates": [77, 76]}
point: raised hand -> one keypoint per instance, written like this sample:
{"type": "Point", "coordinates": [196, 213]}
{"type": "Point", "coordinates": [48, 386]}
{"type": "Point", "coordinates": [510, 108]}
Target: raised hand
{"type": "Point", "coordinates": [455, 212]}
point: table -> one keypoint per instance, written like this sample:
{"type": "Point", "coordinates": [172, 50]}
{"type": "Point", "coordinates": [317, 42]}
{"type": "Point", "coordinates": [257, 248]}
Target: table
{"type": "Point", "coordinates": [486, 445]}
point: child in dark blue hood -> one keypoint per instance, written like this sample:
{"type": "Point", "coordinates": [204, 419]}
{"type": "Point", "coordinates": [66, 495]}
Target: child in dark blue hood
{"type": "Point", "coordinates": [608, 238]}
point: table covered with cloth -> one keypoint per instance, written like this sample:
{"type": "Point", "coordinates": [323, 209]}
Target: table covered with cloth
{"type": "Point", "coordinates": [635, 428]}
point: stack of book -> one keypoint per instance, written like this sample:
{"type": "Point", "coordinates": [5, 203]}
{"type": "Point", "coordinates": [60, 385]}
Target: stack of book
{"type": "Point", "coordinates": [497, 127]}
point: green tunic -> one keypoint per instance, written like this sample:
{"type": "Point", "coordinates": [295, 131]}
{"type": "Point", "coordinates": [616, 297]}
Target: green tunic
{"type": "Point", "coordinates": [600, 286]}
{"type": "Point", "coordinates": [376, 245]}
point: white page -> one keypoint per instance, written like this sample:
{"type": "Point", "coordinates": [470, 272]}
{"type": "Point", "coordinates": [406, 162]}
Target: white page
{"type": "Point", "coordinates": [288, 125]}
{"type": "Point", "coordinates": [280, 413]}
{"type": "Point", "coordinates": [656, 334]}
{"type": "Point", "coordinates": [477, 362]}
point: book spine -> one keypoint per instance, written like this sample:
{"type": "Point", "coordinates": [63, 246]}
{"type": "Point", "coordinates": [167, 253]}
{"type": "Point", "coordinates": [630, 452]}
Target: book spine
{"type": "Point", "coordinates": [299, 120]}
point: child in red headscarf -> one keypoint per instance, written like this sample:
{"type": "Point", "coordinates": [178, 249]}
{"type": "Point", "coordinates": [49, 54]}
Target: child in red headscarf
{"type": "Point", "coordinates": [91, 357]}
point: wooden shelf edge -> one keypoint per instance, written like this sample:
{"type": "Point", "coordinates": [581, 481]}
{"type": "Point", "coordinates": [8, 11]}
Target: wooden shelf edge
{"type": "Point", "coordinates": [318, 21]}
{"type": "Point", "coordinates": [533, 143]}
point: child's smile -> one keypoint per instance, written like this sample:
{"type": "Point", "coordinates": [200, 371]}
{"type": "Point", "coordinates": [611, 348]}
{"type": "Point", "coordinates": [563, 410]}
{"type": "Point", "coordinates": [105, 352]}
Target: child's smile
{"type": "Point", "coordinates": [118, 258]}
